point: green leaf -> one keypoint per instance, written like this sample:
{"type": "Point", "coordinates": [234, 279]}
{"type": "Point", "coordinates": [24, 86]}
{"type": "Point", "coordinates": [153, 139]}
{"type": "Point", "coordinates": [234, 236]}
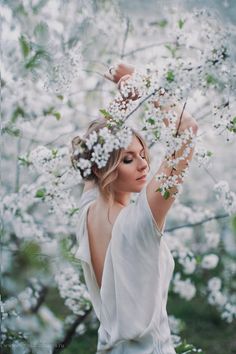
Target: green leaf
{"type": "Point", "coordinates": [232, 126]}
{"type": "Point", "coordinates": [170, 76]}
{"type": "Point", "coordinates": [148, 83]}
{"type": "Point", "coordinates": [36, 59]}
{"type": "Point", "coordinates": [211, 80]}
{"type": "Point", "coordinates": [16, 113]}
{"type": "Point", "coordinates": [24, 45]}
{"type": "Point", "coordinates": [157, 134]}
{"type": "Point", "coordinates": [162, 23]}
{"type": "Point", "coordinates": [209, 153]}
{"type": "Point", "coordinates": [41, 193]}
{"type": "Point", "coordinates": [51, 111]}
{"type": "Point", "coordinates": [60, 97]}
{"type": "Point", "coordinates": [30, 252]}
{"type": "Point", "coordinates": [181, 23]}
{"type": "Point", "coordinates": [73, 211]}
{"type": "Point", "coordinates": [24, 161]}
{"type": "Point", "coordinates": [171, 49]}
{"type": "Point", "coordinates": [41, 32]}
{"type": "Point", "coordinates": [11, 130]}
{"type": "Point", "coordinates": [57, 115]}
{"type": "Point", "coordinates": [166, 194]}
{"type": "Point", "coordinates": [36, 8]}
{"type": "Point", "coordinates": [54, 153]}
{"type": "Point", "coordinates": [151, 121]}
{"type": "Point", "coordinates": [105, 113]}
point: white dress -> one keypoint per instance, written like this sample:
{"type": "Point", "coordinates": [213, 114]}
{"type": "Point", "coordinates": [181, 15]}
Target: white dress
{"type": "Point", "coordinates": [131, 305]}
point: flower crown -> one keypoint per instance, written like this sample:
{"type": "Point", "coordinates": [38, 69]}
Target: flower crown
{"type": "Point", "coordinates": [96, 149]}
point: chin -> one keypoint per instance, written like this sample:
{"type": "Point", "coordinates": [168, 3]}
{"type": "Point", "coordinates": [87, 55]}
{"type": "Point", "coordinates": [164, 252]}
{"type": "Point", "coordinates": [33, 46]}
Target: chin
{"type": "Point", "coordinates": [138, 189]}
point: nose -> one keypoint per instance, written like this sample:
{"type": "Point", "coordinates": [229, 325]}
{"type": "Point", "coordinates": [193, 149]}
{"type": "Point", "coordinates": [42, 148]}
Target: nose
{"type": "Point", "coordinates": [142, 164]}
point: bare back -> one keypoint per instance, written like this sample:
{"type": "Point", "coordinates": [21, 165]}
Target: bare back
{"type": "Point", "coordinates": [99, 234]}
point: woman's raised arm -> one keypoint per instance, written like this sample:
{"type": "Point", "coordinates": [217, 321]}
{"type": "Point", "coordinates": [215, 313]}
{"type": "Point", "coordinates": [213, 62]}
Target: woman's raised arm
{"type": "Point", "coordinates": [158, 204]}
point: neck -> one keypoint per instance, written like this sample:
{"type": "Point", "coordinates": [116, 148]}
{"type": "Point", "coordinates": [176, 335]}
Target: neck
{"type": "Point", "coordinates": [122, 198]}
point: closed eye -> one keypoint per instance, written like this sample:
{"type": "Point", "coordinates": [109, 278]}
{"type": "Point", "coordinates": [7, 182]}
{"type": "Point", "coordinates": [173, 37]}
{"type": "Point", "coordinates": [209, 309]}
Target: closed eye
{"type": "Point", "coordinates": [127, 160]}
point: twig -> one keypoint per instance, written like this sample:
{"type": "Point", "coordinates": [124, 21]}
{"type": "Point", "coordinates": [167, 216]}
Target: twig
{"type": "Point", "coordinates": [61, 345]}
{"type": "Point", "coordinates": [94, 72]}
{"type": "Point", "coordinates": [125, 38]}
{"type": "Point", "coordinates": [17, 179]}
{"type": "Point", "coordinates": [212, 177]}
{"type": "Point", "coordinates": [146, 47]}
{"type": "Point", "coordinates": [216, 217]}
{"type": "Point", "coordinates": [40, 300]}
{"type": "Point", "coordinates": [181, 116]}
{"type": "Point", "coordinates": [140, 103]}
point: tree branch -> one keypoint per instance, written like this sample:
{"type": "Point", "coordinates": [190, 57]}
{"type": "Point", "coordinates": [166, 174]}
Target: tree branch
{"type": "Point", "coordinates": [125, 38]}
{"type": "Point", "coordinates": [61, 345]}
{"type": "Point", "coordinates": [42, 294]}
{"type": "Point", "coordinates": [146, 47]}
{"type": "Point", "coordinates": [216, 217]}
{"type": "Point", "coordinates": [140, 103]}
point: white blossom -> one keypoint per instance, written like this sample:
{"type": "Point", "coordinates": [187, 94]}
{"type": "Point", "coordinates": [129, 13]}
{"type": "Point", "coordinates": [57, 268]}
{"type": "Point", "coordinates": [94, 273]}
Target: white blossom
{"type": "Point", "coordinates": [214, 284]}
{"type": "Point", "coordinates": [210, 261]}
{"type": "Point", "coordinates": [184, 288]}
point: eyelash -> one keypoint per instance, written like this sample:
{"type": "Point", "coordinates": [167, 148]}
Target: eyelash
{"type": "Point", "coordinates": [129, 161]}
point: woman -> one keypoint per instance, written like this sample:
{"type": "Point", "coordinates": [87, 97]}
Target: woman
{"type": "Point", "coordinates": [126, 263]}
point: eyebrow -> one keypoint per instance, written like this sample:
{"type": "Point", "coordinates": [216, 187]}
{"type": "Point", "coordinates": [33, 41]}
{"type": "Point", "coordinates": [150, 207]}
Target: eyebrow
{"type": "Point", "coordinates": [133, 152]}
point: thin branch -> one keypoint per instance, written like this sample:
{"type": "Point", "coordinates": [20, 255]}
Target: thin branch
{"type": "Point", "coordinates": [146, 47]}
{"type": "Point", "coordinates": [140, 103]}
{"type": "Point", "coordinates": [94, 72]}
{"type": "Point", "coordinates": [216, 217]}
{"type": "Point", "coordinates": [209, 174]}
{"type": "Point", "coordinates": [180, 119]}
{"type": "Point", "coordinates": [125, 38]}
{"type": "Point", "coordinates": [42, 294]}
{"type": "Point", "coordinates": [61, 345]}
{"type": "Point", "coordinates": [17, 178]}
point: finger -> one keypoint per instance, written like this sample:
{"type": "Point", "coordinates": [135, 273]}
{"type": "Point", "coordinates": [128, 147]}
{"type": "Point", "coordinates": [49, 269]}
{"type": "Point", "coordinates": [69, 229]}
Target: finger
{"type": "Point", "coordinates": [122, 80]}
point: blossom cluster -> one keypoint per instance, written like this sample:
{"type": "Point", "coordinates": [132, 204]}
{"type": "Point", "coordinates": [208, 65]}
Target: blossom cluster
{"type": "Point", "coordinates": [217, 297]}
{"type": "Point", "coordinates": [185, 288]}
{"type": "Point", "coordinates": [72, 290]}
{"type": "Point", "coordinates": [101, 144]}
{"type": "Point", "coordinates": [226, 196]}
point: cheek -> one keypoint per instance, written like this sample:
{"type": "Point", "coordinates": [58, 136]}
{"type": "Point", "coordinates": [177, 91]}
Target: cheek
{"type": "Point", "coordinates": [125, 172]}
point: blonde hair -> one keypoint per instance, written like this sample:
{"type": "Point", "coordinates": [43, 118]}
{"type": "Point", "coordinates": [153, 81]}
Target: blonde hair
{"type": "Point", "coordinates": [105, 176]}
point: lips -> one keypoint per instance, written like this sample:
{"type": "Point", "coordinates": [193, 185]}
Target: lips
{"type": "Point", "coordinates": [142, 177]}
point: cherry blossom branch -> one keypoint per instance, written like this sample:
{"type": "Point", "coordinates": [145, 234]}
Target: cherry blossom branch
{"type": "Point", "coordinates": [216, 217]}
{"type": "Point", "coordinates": [140, 103]}
{"type": "Point", "coordinates": [61, 345]}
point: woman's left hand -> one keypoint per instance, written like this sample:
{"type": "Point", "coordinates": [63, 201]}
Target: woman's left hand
{"type": "Point", "coordinates": [119, 72]}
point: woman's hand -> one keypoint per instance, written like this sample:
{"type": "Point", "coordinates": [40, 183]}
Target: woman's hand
{"type": "Point", "coordinates": [119, 72]}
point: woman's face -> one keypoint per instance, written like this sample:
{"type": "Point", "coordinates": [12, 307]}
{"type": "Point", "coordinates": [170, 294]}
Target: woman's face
{"type": "Point", "coordinates": [133, 168]}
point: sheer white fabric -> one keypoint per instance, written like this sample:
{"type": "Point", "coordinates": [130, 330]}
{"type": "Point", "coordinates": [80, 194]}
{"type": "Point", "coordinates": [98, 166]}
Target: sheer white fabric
{"type": "Point", "coordinates": [131, 305]}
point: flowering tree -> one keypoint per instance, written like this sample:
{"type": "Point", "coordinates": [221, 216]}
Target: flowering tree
{"type": "Point", "coordinates": [54, 57]}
